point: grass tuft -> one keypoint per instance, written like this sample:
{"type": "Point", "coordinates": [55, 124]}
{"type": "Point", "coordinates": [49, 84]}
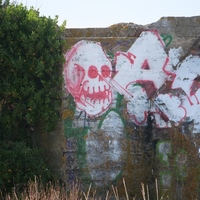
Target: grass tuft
{"type": "Point", "coordinates": [36, 191]}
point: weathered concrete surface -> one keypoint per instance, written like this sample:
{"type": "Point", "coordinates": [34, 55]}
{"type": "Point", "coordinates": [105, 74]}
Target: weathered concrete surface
{"type": "Point", "coordinates": [184, 31]}
{"type": "Point", "coordinates": [53, 146]}
{"type": "Point", "coordinates": [121, 142]}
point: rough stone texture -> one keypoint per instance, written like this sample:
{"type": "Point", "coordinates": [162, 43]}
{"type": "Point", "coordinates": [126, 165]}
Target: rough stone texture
{"type": "Point", "coordinates": [144, 153]}
{"type": "Point", "coordinates": [184, 30]}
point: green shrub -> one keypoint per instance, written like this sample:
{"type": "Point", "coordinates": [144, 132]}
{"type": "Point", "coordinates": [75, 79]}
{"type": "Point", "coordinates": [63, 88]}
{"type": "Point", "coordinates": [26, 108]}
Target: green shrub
{"type": "Point", "coordinates": [30, 70]}
{"type": "Point", "coordinates": [31, 59]}
{"type": "Point", "coordinates": [19, 164]}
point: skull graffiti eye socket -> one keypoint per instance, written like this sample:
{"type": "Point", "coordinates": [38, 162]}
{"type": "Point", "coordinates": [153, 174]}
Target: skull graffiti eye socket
{"type": "Point", "coordinates": [105, 70]}
{"type": "Point", "coordinates": [92, 72]}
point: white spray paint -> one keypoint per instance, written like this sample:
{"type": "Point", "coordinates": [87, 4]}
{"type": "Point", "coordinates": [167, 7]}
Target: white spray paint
{"type": "Point", "coordinates": [105, 149]}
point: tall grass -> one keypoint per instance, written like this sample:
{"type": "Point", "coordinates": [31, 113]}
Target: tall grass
{"type": "Point", "coordinates": [36, 191]}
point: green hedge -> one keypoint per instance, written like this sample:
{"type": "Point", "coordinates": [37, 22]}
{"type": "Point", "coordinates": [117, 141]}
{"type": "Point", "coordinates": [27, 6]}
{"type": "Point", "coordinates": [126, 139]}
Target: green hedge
{"type": "Point", "coordinates": [19, 164]}
{"type": "Point", "coordinates": [30, 70]}
{"type": "Point", "coordinates": [31, 59]}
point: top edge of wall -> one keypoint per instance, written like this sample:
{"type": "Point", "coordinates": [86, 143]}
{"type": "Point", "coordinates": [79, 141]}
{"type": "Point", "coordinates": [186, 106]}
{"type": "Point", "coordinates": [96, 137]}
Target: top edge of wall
{"type": "Point", "coordinates": [173, 25]}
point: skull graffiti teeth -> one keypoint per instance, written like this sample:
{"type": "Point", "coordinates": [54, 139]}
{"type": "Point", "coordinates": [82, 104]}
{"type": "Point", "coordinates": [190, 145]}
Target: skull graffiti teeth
{"type": "Point", "coordinates": [86, 71]}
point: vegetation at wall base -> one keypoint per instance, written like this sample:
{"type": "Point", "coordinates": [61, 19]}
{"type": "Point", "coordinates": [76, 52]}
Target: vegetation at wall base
{"type": "Point", "coordinates": [20, 163]}
{"type": "Point", "coordinates": [31, 59]}
{"type": "Point", "coordinates": [35, 190]}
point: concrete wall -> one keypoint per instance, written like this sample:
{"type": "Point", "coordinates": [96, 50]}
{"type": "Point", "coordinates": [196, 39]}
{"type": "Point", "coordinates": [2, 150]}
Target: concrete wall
{"type": "Point", "coordinates": [131, 107]}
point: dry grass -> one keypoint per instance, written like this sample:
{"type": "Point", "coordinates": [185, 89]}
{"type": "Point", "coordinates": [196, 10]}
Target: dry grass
{"type": "Point", "coordinates": [36, 191]}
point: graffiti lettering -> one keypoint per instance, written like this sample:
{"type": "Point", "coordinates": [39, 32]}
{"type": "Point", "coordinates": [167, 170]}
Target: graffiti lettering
{"type": "Point", "coordinates": [167, 39]}
{"type": "Point", "coordinates": [138, 75]}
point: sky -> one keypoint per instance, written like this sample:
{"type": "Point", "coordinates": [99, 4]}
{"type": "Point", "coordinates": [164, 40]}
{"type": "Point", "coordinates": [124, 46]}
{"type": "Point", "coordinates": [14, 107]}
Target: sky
{"type": "Point", "coordinates": [104, 13]}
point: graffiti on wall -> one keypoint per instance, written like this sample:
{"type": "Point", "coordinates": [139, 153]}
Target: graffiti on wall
{"type": "Point", "coordinates": [138, 75]}
{"type": "Point", "coordinates": [148, 80]}
{"type": "Point", "coordinates": [85, 72]}
{"type": "Point", "coordinates": [105, 149]}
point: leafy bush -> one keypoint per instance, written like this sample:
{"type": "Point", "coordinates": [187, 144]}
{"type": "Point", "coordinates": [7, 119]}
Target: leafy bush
{"type": "Point", "coordinates": [31, 61]}
{"type": "Point", "coordinates": [19, 164]}
{"type": "Point", "coordinates": [30, 70]}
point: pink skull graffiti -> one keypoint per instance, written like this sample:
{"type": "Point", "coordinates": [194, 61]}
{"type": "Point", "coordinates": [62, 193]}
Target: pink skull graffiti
{"type": "Point", "coordinates": [86, 72]}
